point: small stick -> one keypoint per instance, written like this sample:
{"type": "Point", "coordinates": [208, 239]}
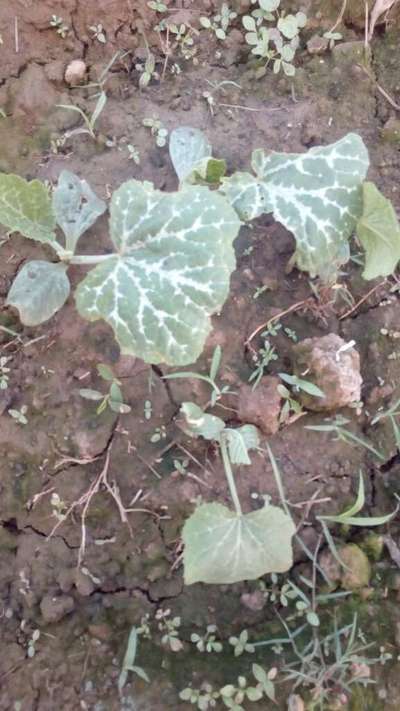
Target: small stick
{"type": "Point", "coordinates": [340, 16]}
{"type": "Point", "coordinates": [16, 35]}
{"type": "Point", "coordinates": [293, 307]}
{"type": "Point", "coordinates": [364, 298]}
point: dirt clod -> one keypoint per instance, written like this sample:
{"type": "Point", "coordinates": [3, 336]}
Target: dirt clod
{"type": "Point", "coordinates": [333, 366]}
{"type": "Point", "coordinates": [54, 609]}
{"type": "Point", "coordinates": [75, 72]}
{"type": "Point", "coordinates": [261, 406]}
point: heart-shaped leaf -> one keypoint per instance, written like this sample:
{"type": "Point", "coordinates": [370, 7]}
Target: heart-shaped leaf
{"type": "Point", "coordinates": [224, 547]}
{"type": "Point", "coordinates": [379, 233]}
{"type": "Point", "coordinates": [25, 207]}
{"type": "Point", "coordinates": [75, 206]}
{"type": "Point", "coordinates": [316, 195]}
{"type": "Point", "coordinates": [187, 146]}
{"type": "Point", "coordinates": [39, 290]}
{"type": "Point", "coordinates": [171, 272]}
{"type": "Point", "coordinates": [240, 441]}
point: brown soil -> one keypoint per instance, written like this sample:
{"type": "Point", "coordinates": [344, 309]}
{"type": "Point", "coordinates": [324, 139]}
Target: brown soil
{"type": "Point", "coordinates": [132, 569]}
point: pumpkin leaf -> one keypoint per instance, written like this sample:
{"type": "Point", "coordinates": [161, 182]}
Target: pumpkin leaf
{"type": "Point", "coordinates": [224, 547]}
{"type": "Point", "coordinates": [316, 195]}
{"type": "Point", "coordinates": [200, 424]}
{"type": "Point", "coordinates": [25, 207]}
{"type": "Point", "coordinates": [39, 290]}
{"type": "Point", "coordinates": [187, 147]}
{"type": "Point", "coordinates": [378, 230]}
{"type": "Point", "coordinates": [170, 273]}
{"type": "Point", "coordinates": [75, 206]}
{"type": "Point", "coordinates": [240, 441]}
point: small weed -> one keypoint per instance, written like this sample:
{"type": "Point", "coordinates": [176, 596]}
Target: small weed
{"type": "Point", "coordinates": [219, 23]}
{"type": "Point", "coordinates": [266, 355]}
{"type": "Point", "coordinates": [4, 372]}
{"type": "Point", "coordinates": [113, 399]}
{"type": "Point", "coordinates": [89, 121]}
{"type": "Point", "coordinates": [170, 627]}
{"type": "Point", "coordinates": [98, 33]}
{"type": "Point", "coordinates": [157, 129]}
{"type": "Point", "coordinates": [241, 644]}
{"type": "Point", "coordinates": [31, 644]}
{"type": "Point", "coordinates": [147, 70]}
{"type": "Point", "coordinates": [128, 664]}
{"type": "Point", "coordinates": [148, 410]}
{"type": "Point", "coordinates": [19, 415]}
{"type": "Point", "coordinates": [216, 391]}
{"type": "Point", "coordinates": [157, 6]}
{"type": "Point", "coordinates": [59, 26]}
{"type": "Point", "coordinates": [158, 434]}
{"type": "Point", "coordinates": [208, 641]}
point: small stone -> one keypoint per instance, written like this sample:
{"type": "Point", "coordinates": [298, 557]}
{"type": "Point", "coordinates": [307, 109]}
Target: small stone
{"type": "Point", "coordinates": [391, 131]}
{"type": "Point", "coordinates": [261, 406]}
{"type": "Point", "coordinates": [101, 631]}
{"type": "Point", "coordinates": [358, 571]}
{"type": "Point", "coordinates": [75, 72]}
{"type": "Point", "coordinates": [54, 608]}
{"type": "Point", "coordinates": [317, 45]}
{"type": "Point", "coordinates": [254, 601]}
{"type": "Point", "coordinates": [334, 367]}
{"type": "Point", "coordinates": [330, 566]}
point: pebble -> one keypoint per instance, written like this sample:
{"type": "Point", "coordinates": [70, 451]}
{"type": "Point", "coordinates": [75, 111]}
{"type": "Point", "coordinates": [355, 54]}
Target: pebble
{"type": "Point", "coordinates": [75, 72]}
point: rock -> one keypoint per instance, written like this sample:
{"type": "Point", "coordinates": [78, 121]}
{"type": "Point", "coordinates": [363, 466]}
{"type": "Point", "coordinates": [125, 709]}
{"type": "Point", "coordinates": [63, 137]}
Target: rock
{"type": "Point", "coordinates": [254, 601]}
{"type": "Point", "coordinates": [359, 570]}
{"type": "Point", "coordinates": [53, 608]}
{"type": "Point", "coordinates": [391, 131]}
{"type": "Point", "coordinates": [373, 546]}
{"type": "Point", "coordinates": [101, 631]}
{"type": "Point", "coordinates": [330, 566]}
{"type": "Point", "coordinates": [333, 366]}
{"type": "Point", "coordinates": [32, 94]}
{"type": "Point", "coordinates": [317, 45]}
{"type": "Point", "coordinates": [55, 71]}
{"type": "Point", "coordinates": [261, 406]}
{"type": "Point", "coordinates": [75, 72]}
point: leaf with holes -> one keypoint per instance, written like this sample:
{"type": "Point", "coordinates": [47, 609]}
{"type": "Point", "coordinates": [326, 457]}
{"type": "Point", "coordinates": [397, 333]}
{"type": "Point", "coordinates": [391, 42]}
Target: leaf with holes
{"type": "Point", "coordinates": [316, 195]}
{"type": "Point", "coordinates": [240, 441]}
{"type": "Point", "coordinates": [379, 233]}
{"type": "Point", "coordinates": [170, 273]}
{"type": "Point", "coordinates": [39, 290]}
{"type": "Point", "coordinates": [224, 547]}
{"type": "Point", "coordinates": [25, 207]}
{"type": "Point", "coordinates": [76, 207]}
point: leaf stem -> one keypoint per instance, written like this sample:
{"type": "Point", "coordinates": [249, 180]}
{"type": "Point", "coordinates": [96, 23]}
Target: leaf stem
{"type": "Point", "coordinates": [90, 259]}
{"type": "Point", "coordinates": [229, 476]}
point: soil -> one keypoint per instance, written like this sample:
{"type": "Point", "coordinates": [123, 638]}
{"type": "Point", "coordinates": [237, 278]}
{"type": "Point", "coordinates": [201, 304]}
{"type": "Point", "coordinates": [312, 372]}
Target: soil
{"type": "Point", "coordinates": [133, 568]}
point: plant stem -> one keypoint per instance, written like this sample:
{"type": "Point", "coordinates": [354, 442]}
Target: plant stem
{"type": "Point", "coordinates": [230, 477]}
{"type": "Point", "coordinates": [91, 259]}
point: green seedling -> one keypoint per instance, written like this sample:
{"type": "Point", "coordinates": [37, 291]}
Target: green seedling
{"type": "Point", "coordinates": [224, 546]}
{"type": "Point", "coordinates": [59, 26]}
{"type": "Point", "coordinates": [391, 413]}
{"type": "Point", "coordinates": [89, 121]}
{"type": "Point", "coordinates": [204, 698]}
{"type": "Point", "coordinates": [113, 399]}
{"type": "Point", "coordinates": [147, 71]}
{"type": "Point", "coordinates": [278, 44]}
{"type": "Point", "coordinates": [216, 392]}
{"type": "Point", "coordinates": [291, 408]}
{"type": "Point", "coordinates": [219, 23]}
{"type": "Point", "coordinates": [333, 37]}
{"type": "Point", "coordinates": [128, 664]}
{"type": "Point", "coordinates": [241, 644]}
{"type": "Point", "coordinates": [262, 359]}
{"type": "Point", "coordinates": [208, 641]}
{"type": "Point", "coordinates": [19, 415]}
{"type": "Point", "coordinates": [298, 385]}
{"type": "Point", "coordinates": [157, 6]}
{"type": "Point", "coordinates": [157, 129]}
{"type": "Point", "coordinates": [31, 651]}
{"type": "Point", "coordinates": [169, 626]}
{"type": "Point", "coordinates": [343, 434]}
{"type": "Point", "coordinates": [4, 372]}
{"type": "Point", "coordinates": [158, 434]}
{"type": "Point", "coordinates": [98, 33]}
{"type": "Point", "coordinates": [148, 410]}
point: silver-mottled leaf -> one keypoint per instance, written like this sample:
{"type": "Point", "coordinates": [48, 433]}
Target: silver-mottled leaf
{"type": "Point", "coordinates": [379, 233]}
{"type": "Point", "coordinates": [39, 290]}
{"type": "Point", "coordinates": [171, 271]}
{"type": "Point", "coordinates": [187, 146]}
{"type": "Point", "coordinates": [224, 547]}
{"type": "Point", "coordinates": [75, 206]}
{"type": "Point", "coordinates": [316, 195]}
{"type": "Point", "coordinates": [25, 207]}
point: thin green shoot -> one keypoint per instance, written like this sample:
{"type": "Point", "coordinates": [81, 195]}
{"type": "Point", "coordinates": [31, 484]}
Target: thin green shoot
{"type": "Point", "coordinates": [89, 121]}
{"type": "Point", "coordinates": [128, 664]}
{"type": "Point", "coordinates": [216, 391]}
{"type": "Point", "coordinates": [344, 435]}
{"type": "Point", "coordinates": [349, 517]}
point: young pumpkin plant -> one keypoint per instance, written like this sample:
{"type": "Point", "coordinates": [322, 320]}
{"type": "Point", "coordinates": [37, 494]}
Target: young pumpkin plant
{"type": "Point", "coordinates": [168, 272]}
{"type": "Point", "coordinates": [225, 546]}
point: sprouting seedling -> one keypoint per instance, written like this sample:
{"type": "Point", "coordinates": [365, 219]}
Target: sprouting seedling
{"type": "Point", "coordinates": [298, 384]}
{"type": "Point", "coordinates": [157, 5]}
{"type": "Point", "coordinates": [219, 23]}
{"type": "Point", "coordinates": [128, 664]}
{"type": "Point", "coordinates": [216, 392]}
{"type": "Point", "coordinates": [148, 409]}
{"type": "Point", "coordinates": [89, 120]}
{"type": "Point", "coordinates": [4, 372]}
{"type": "Point", "coordinates": [332, 37]}
{"type": "Point", "coordinates": [113, 399]}
{"type": "Point", "coordinates": [169, 626]}
{"type": "Point", "coordinates": [391, 413]}
{"type": "Point", "coordinates": [19, 415]}
{"type": "Point", "coordinates": [157, 129]}
{"type": "Point", "coordinates": [58, 24]}
{"type": "Point", "coordinates": [241, 644]}
{"type": "Point", "coordinates": [32, 642]}
{"type": "Point", "coordinates": [224, 546]}
{"type": "Point", "coordinates": [350, 518]}
{"type": "Point", "coordinates": [98, 33]}
{"type": "Point", "coordinates": [207, 642]}
{"type": "Point", "coordinates": [147, 70]}
{"type": "Point", "coordinates": [342, 433]}
{"type": "Point", "coordinates": [265, 355]}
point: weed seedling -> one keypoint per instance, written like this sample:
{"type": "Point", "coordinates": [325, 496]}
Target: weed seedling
{"type": "Point", "coordinates": [241, 644]}
{"type": "Point", "coordinates": [219, 23]}
{"type": "Point", "coordinates": [208, 641]}
{"type": "Point", "coordinates": [59, 26]}
{"type": "Point", "coordinates": [216, 391]}
{"type": "Point", "coordinates": [336, 426]}
{"type": "Point", "coordinates": [147, 70]}
{"type": "Point", "coordinates": [98, 33]}
{"type": "Point", "coordinates": [19, 415]}
{"type": "Point", "coordinates": [89, 121]}
{"type": "Point", "coordinates": [128, 664]}
{"type": "Point", "coordinates": [170, 627]}
{"type": "Point", "coordinates": [4, 372]}
{"type": "Point", "coordinates": [262, 359]}
{"type": "Point", "coordinates": [158, 434]}
{"type": "Point", "coordinates": [113, 399]}
{"type": "Point", "coordinates": [157, 129]}
{"type": "Point", "coordinates": [157, 6]}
